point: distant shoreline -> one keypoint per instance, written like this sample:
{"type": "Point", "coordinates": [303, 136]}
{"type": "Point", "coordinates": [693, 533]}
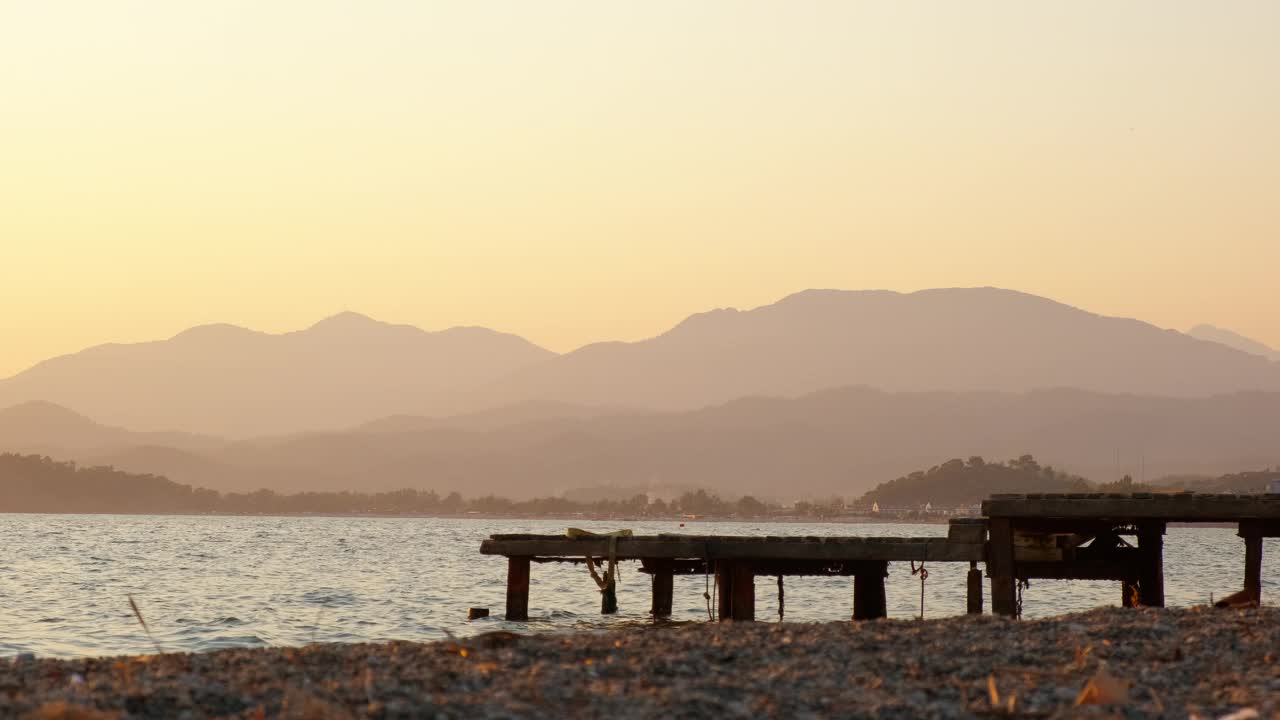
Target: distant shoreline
{"type": "Point", "coordinates": [792, 519]}
{"type": "Point", "coordinates": [684, 522]}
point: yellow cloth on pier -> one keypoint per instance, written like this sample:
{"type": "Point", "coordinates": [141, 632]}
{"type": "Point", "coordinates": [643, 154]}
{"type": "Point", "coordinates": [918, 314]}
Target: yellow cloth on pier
{"type": "Point", "coordinates": [576, 533]}
{"type": "Point", "coordinates": [610, 575]}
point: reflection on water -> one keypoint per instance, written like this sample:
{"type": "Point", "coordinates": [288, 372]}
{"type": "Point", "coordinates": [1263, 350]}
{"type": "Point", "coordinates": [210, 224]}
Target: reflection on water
{"type": "Point", "coordinates": [205, 583]}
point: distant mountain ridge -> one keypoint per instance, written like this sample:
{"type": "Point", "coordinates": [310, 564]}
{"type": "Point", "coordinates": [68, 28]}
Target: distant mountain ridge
{"type": "Point", "coordinates": [964, 339]}
{"type": "Point", "coordinates": [842, 441]}
{"type": "Point", "coordinates": [49, 429]}
{"type": "Point", "coordinates": [1235, 340]}
{"type": "Point", "coordinates": [349, 369]}
{"type": "Point", "coordinates": [228, 380]}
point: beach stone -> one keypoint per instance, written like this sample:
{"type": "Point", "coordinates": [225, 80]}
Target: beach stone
{"type": "Point", "coordinates": [892, 669]}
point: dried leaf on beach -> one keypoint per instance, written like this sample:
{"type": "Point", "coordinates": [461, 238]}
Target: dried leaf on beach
{"type": "Point", "coordinates": [1104, 689]}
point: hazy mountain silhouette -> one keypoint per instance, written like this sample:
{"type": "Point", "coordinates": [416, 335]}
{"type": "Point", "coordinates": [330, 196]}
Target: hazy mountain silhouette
{"type": "Point", "coordinates": [949, 339]}
{"type": "Point", "coordinates": [493, 418]}
{"type": "Point", "coordinates": [226, 380]}
{"type": "Point", "coordinates": [349, 369]}
{"type": "Point", "coordinates": [841, 441]}
{"type": "Point", "coordinates": [1235, 340]}
{"type": "Point", "coordinates": [49, 429]}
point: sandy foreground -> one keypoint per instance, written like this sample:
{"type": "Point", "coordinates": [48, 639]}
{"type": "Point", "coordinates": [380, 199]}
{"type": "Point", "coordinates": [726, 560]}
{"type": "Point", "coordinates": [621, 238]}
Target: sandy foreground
{"type": "Point", "coordinates": [1197, 662]}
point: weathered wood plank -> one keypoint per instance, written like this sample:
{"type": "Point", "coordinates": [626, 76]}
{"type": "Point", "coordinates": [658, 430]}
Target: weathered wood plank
{"type": "Point", "coordinates": [1000, 567]}
{"type": "Point", "coordinates": [1252, 535]}
{"type": "Point", "coordinates": [663, 585]}
{"type": "Point", "coordinates": [868, 593]}
{"type": "Point", "coordinates": [518, 588]}
{"type": "Point", "coordinates": [967, 530]}
{"type": "Point", "coordinates": [1151, 569]}
{"type": "Point", "coordinates": [1172, 507]}
{"type": "Point", "coordinates": [816, 568]}
{"type": "Point", "coordinates": [744, 592]}
{"type": "Point", "coordinates": [900, 549]}
{"type": "Point", "coordinates": [974, 595]}
{"type": "Point", "coordinates": [724, 589]}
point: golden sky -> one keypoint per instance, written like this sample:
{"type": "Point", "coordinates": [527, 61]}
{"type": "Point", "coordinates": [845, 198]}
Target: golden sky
{"type": "Point", "coordinates": [575, 171]}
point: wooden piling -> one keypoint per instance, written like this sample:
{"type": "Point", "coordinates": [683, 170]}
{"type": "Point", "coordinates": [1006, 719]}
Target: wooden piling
{"type": "Point", "coordinates": [868, 592]}
{"type": "Point", "coordinates": [1004, 598]}
{"type": "Point", "coordinates": [724, 590]}
{"type": "Point", "coordinates": [744, 592]}
{"type": "Point", "coordinates": [1151, 559]}
{"type": "Point", "coordinates": [975, 590]}
{"type": "Point", "coordinates": [1252, 560]}
{"type": "Point", "coordinates": [663, 574]}
{"type": "Point", "coordinates": [737, 590]}
{"type": "Point", "coordinates": [518, 588]}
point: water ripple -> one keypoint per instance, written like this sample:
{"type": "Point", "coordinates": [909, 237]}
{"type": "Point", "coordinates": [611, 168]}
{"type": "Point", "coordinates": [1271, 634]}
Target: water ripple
{"type": "Point", "coordinates": [206, 583]}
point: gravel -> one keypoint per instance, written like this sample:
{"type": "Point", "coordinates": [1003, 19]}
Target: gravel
{"type": "Point", "coordinates": [1195, 662]}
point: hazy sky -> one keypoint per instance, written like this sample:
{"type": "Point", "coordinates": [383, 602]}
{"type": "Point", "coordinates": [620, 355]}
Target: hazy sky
{"type": "Point", "coordinates": [573, 171]}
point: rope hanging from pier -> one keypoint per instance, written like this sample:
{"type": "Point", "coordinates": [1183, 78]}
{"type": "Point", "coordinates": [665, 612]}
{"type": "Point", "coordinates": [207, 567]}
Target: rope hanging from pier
{"type": "Point", "coordinates": [1023, 584]}
{"type": "Point", "coordinates": [924, 575]}
{"type": "Point", "coordinates": [609, 583]}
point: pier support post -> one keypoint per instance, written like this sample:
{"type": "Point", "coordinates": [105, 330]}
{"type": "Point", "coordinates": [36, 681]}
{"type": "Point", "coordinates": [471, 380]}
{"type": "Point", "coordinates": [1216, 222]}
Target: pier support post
{"type": "Point", "coordinates": [868, 591]}
{"type": "Point", "coordinates": [975, 589]}
{"type": "Point", "coordinates": [1151, 572]}
{"type": "Point", "coordinates": [737, 596]}
{"type": "Point", "coordinates": [662, 587]}
{"type": "Point", "coordinates": [724, 590]}
{"type": "Point", "coordinates": [744, 591]}
{"type": "Point", "coordinates": [1004, 593]}
{"type": "Point", "coordinates": [1252, 535]}
{"type": "Point", "coordinates": [518, 588]}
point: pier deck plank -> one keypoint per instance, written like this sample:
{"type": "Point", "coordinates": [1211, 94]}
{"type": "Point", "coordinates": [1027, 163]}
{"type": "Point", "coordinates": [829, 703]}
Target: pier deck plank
{"type": "Point", "coordinates": [1170, 507]}
{"type": "Point", "coordinates": [718, 547]}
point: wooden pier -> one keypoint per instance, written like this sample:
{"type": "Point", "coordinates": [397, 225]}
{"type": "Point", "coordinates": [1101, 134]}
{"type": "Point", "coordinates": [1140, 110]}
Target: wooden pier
{"type": "Point", "coordinates": [1081, 536]}
{"type": "Point", "coordinates": [1021, 537]}
{"type": "Point", "coordinates": [736, 561]}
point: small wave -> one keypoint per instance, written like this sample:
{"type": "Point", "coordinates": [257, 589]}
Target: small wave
{"type": "Point", "coordinates": [220, 642]}
{"type": "Point", "coordinates": [329, 598]}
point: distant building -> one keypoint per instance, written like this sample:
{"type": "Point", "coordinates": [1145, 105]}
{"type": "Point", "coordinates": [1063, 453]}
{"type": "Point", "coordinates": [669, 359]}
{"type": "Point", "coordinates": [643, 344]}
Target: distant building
{"type": "Point", "coordinates": [1274, 487]}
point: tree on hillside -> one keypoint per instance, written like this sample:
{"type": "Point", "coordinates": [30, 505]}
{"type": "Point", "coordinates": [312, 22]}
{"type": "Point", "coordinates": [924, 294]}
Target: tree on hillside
{"type": "Point", "coordinates": [748, 506]}
{"type": "Point", "coordinates": [958, 483]}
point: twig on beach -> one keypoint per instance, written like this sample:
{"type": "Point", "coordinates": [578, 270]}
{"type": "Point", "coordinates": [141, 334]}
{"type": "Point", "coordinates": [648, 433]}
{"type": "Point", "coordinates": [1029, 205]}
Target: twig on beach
{"type": "Point", "coordinates": [138, 614]}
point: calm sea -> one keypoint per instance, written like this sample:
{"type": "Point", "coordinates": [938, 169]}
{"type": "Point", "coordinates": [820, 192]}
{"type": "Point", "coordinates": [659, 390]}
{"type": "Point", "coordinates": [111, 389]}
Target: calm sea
{"type": "Point", "coordinates": [204, 583]}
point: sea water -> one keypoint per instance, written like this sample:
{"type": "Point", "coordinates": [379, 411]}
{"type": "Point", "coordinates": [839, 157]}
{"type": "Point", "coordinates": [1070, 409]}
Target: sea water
{"type": "Point", "coordinates": [204, 583]}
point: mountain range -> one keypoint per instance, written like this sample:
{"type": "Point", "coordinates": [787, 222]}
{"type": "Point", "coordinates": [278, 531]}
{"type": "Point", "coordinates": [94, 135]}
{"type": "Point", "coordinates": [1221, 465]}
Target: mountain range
{"type": "Point", "coordinates": [840, 441]}
{"type": "Point", "coordinates": [821, 392]}
{"type": "Point", "coordinates": [1234, 340]}
{"type": "Point", "coordinates": [229, 381]}
{"type": "Point", "coordinates": [349, 369]}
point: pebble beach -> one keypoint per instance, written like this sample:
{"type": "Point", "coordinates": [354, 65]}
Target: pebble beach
{"type": "Point", "coordinates": [1187, 663]}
